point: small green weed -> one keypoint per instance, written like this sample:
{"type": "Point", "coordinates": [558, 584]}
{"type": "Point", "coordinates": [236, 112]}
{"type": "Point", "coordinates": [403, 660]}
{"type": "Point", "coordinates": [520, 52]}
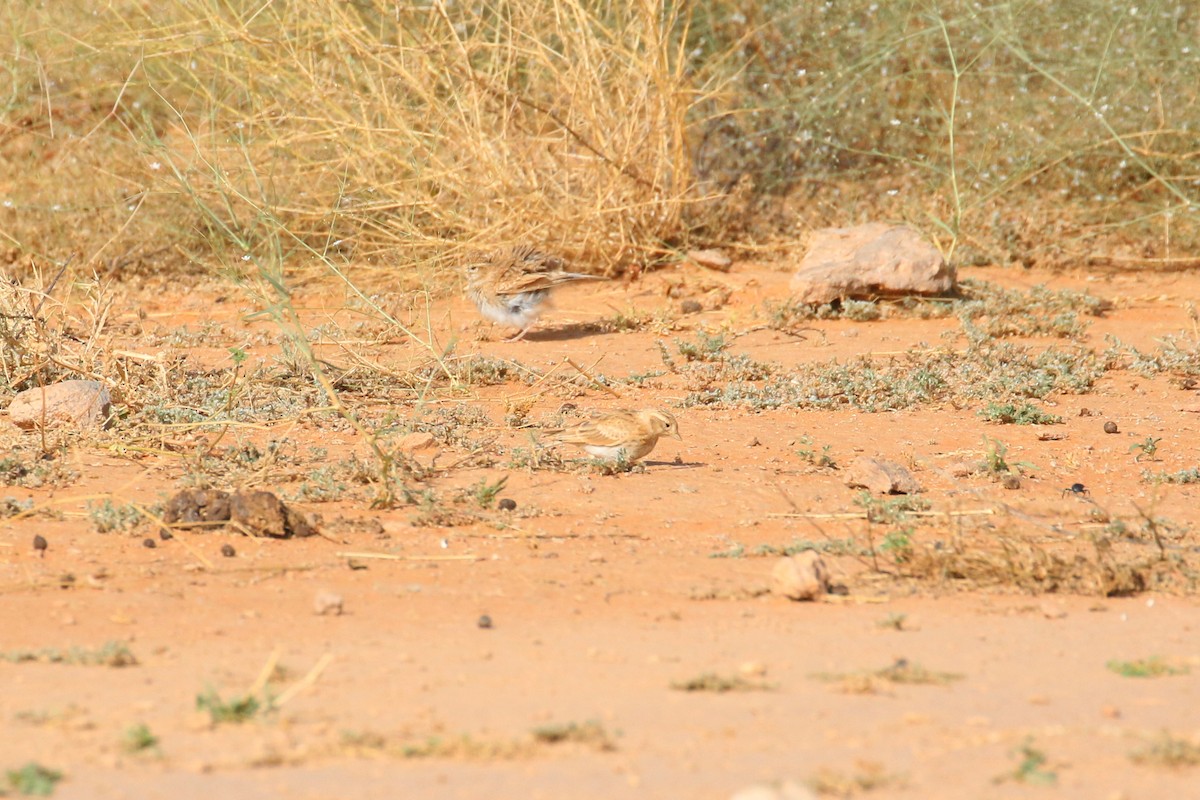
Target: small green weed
{"type": "Point", "coordinates": [139, 739]}
{"type": "Point", "coordinates": [33, 780]}
{"type": "Point", "coordinates": [1032, 767]}
{"type": "Point", "coordinates": [807, 452]}
{"type": "Point", "coordinates": [1013, 414]}
{"type": "Point", "coordinates": [1152, 667]}
{"type": "Point", "coordinates": [235, 710]}
{"type": "Point", "coordinates": [1147, 448]}
{"type": "Point", "coordinates": [107, 517]}
{"type": "Point", "coordinates": [485, 493]}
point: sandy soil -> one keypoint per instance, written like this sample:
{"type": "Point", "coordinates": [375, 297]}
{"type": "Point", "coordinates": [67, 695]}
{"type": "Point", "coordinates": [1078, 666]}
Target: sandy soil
{"type": "Point", "coordinates": [603, 590]}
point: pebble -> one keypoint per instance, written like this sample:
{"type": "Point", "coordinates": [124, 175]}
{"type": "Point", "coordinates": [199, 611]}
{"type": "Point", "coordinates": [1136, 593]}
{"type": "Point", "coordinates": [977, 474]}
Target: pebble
{"type": "Point", "coordinates": [328, 603]}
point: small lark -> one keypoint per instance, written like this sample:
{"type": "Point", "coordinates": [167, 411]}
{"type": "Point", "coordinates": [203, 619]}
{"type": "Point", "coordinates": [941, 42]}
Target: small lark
{"type": "Point", "coordinates": [511, 286]}
{"type": "Point", "coordinates": [620, 434]}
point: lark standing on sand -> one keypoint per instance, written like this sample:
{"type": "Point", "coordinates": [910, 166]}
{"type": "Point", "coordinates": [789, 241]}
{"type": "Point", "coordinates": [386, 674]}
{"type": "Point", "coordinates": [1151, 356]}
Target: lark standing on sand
{"type": "Point", "coordinates": [511, 287]}
{"type": "Point", "coordinates": [620, 434]}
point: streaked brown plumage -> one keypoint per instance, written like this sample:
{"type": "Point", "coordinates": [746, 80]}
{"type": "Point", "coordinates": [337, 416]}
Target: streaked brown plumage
{"type": "Point", "coordinates": [511, 286]}
{"type": "Point", "coordinates": [616, 434]}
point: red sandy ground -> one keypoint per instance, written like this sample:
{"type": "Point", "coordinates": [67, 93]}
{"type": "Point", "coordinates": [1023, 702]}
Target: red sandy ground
{"type": "Point", "coordinates": [610, 595]}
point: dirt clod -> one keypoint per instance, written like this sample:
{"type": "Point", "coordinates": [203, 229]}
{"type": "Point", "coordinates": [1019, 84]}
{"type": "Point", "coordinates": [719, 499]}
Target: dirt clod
{"type": "Point", "coordinates": [1110, 427]}
{"type": "Point", "coordinates": [484, 622]}
{"type": "Point", "coordinates": [228, 551]}
{"type": "Point", "coordinates": [40, 544]}
{"type": "Point", "coordinates": [507, 504]}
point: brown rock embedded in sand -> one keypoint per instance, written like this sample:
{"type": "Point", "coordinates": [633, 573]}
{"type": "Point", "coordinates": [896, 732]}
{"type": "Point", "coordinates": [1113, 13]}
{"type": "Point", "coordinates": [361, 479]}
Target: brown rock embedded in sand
{"type": "Point", "coordinates": [868, 261]}
{"type": "Point", "coordinates": [881, 476]}
{"type": "Point", "coordinates": [259, 514]}
{"type": "Point", "coordinates": [803, 576]}
{"type": "Point", "coordinates": [75, 404]}
{"type": "Point", "coordinates": [197, 507]}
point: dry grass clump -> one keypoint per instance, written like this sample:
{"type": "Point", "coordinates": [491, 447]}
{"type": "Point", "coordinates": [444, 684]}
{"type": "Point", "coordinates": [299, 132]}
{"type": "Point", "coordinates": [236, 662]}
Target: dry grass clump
{"type": "Point", "coordinates": [321, 132]}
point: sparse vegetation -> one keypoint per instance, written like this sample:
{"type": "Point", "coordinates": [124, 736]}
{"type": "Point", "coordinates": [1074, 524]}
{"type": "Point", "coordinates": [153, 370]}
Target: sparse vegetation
{"type": "Point", "coordinates": [900, 672]}
{"type": "Point", "coordinates": [1152, 667]}
{"type": "Point", "coordinates": [1170, 751]}
{"type": "Point", "coordinates": [234, 710]}
{"type": "Point", "coordinates": [712, 682]}
{"type": "Point", "coordinates": [33, 780]}
{"type": "Point", "coordinates": [109, 654]}
{"type": "Point", "coordinates": [1031, 767]}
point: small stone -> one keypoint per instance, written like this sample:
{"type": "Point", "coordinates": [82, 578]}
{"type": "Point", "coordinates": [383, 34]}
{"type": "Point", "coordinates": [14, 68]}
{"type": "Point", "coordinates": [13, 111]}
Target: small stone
{"type": "Point", "coordinates": [1110, 427]}
{"type": "Point", "coordinates": [165, 535]}
{"type": "Point", "coordinates": [960, 469]}
{"type": "Point", "coordinates": [149, 543]}
{"type": "Point", "coordinates": [507, 504]}
{"type": "Point", "coordinates": [70, 404]}
{"type": "Point", "coordinates": [752, 669]}
{"type": "Point", "coordinates": [800, 577]}
{"type": "Point", "coordinates": [259, 514]}
{"type": "Point", "coordinates": [40, 544]}
{"type": "Point", "coordinates": [881, 476]}
{"type": "Point", "coordinates": [1011, 482]}
{"type": "Point", "coordinates": [690, 307]}
{"type": "Point", "coordinates": [327, 602]}
{"type": "Point", "coordinates": [1111, 712]}
{"type": "Point", "coordinates": [484, 622]}
{"type": "Point", "coordinates": [788, 790]}
{"type": "Point", "coordinates": [197, 507]}
{"type": "Point", "coordinates": [712, 259]}
{"type": "Point", "coordinates": [228, 551]}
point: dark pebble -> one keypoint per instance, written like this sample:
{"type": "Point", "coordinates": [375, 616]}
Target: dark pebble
{"type": "Point", "coordinates": [148, 542]}
{"type": "Point", "coordinates": [40, 544]}
{"type": "Point", "coordinates": [484, 622]}
{"type": "Point", "coordinates": [690, 307]}
{"type": "Point", "coordinates": [1011, 482]}
{"type": "Point", "coordinates": [228, 551]}
{"type": "Point", "coordinates": [1110, 427]}
{"type": "Point", "coordinates": [165, 535]}
{"type": "Point", "coordinates": [507, 504]}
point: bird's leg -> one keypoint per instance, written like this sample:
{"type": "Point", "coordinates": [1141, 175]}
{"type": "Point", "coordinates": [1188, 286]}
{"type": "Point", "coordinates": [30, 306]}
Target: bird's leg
{"type": "Point", "coordinates": [520, 336]}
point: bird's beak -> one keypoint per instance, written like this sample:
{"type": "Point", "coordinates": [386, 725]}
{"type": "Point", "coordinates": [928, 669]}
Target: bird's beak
{"type": "Point", "coordinates": [676, 435]}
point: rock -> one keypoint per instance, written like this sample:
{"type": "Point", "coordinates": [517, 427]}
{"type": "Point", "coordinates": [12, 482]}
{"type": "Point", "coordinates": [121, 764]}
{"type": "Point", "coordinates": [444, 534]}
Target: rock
{"type": "Point", "coordinates": [298, 523]}
{"type": "Point", "coordinates": [881, 476]}
{"type": "Point", "coordinates": [960, 469]}
{"type": "Point", "coordinates": [788, 790]}
{"type": "Point", "coordinates": [327, 602]}
{"type": "Point", "coordinates": [76, 404]}
{"type": "Point", "coordinates": [800, 577]}
{"type": "Point", "coordinates": [868, 261]}
{"type": "Point", "coordinates": [690, 307]}
{"type": "Point", "coordinates": [259, 514]}
{"type": "Point", "coordinates": [713, 259]}
{"type": "Point", "coordinates": [196, 507]}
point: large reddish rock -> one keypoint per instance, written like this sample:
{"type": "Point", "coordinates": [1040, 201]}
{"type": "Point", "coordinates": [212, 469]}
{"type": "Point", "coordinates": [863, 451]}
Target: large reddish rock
{"type": "Point", "coordinates": [69, 404]}
{"type": "Point", "coordinates": [869, 261]}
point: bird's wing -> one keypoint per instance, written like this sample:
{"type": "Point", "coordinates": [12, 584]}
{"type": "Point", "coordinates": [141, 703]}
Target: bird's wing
{"type": "Point", "coordinates": [608, 431]}
{"type": "Point", "coordinates": [516, 280]}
